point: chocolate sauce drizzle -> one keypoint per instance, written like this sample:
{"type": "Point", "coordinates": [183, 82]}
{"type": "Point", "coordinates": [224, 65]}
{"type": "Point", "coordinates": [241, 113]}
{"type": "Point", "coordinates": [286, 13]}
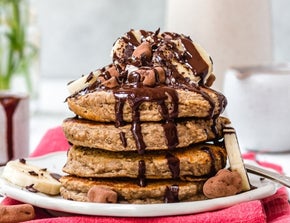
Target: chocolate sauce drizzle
{"type": "Point", "coordinates": [141, 173]}
{"type": "Point", "coordinates": [31, 188]}
{"type": "Point", "coordinates": [171, 194]}
{"type": "Point", "coordinates": [194, 59]}
{"type": "Point", "coordinates": [135, 97]}
{"type": "Point", "coordinates": [213, 169]}
{"type": "Point", "coordinates": [55, 176]}
{"type": "Point", "coordinates": [173, 164]}
{"type": "Point", "coordinates": [123, 139]}
{"type": "Point", "coordinates": [23, 161]}
{"type": "Point", "coordinates": [223, 160]}
{"type": "Point", "coordinates": [10, 104]}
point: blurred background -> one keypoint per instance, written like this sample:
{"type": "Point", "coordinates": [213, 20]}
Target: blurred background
{"type": "Point", "coordinates": [75, 37]}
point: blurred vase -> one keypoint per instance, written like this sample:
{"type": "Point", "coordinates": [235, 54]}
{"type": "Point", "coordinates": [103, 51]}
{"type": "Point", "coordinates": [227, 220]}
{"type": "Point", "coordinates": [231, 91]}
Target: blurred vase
{"type": "Point", "coordinates": [235, 33]}
{"type": "Point", "coordinates": [19, 49]}
{"type": "Point", "coordinates": [14, 122]}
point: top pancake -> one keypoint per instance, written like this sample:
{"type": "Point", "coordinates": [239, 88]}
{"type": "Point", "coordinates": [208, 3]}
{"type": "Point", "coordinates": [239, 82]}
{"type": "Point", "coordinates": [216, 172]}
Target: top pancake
{"type": "Point", "coordinates": [101, 105]}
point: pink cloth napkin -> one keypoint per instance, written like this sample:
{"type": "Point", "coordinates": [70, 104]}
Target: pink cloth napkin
{"type": "Point", "coordinates": [273, 209]}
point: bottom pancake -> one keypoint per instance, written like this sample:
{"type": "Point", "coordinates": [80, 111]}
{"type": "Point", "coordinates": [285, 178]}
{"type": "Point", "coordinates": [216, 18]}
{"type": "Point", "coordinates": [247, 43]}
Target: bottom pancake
{"type": "Point", "coordinates": [128, 191]}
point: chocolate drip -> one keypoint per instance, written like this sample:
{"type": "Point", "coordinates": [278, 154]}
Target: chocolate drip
{"type": "Point", "coordinates": [173, 164]}
{"type": "Point", "coordinates": [229, 130]}
{"type": "Point", "coordinates": [119, 105]}
{"type": "Point", "coordinates": [31, 188]}
{"type": "Point", "coordinates": [212, 160]}
{"type": "Point", "coordinates": [223, 160]}
{"type": "Point", "coordinates": [55, 176]}
{"type": "Point", "coordinates": [169, 126]}
{"type": "Point", "coordinates": [90, 77]}
{"type": "Point", "coordinates": [33, 173]}
{"type": "Point", "coordinates": [136, 130]}
{"type": "Point", "coordinates": [10, 104]}
{"type": "Point", "coordinates": [194, 59]}
{"type": "Point", "coordinates": [171, 194]}
{"type": "Point", "coordinates": [210, 101]}
{"type": "Point", "coordinates": [214, 125]}
{"type": "Point", "coordinates": [23, 161]}
{"type": "Point", "coordinates": [222, 102]}
{"type": "Point", "coordinates": [135, 97]}
{"type": "Point", "coordinates": [170, 134]}
{"type": "Point", "coordinates": [141, 173]}
{"type": "Point", "coordinates": [131, 39]}
{"type": "Point", "coordinates": [123, 139]}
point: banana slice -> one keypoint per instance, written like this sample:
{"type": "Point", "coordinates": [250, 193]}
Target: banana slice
{"type": "Point", "coordinates": [83, 82]}
{"type": "Point", "coordinates": [234, 155]}
{"type": "Point", "coordinates": [31, 177]}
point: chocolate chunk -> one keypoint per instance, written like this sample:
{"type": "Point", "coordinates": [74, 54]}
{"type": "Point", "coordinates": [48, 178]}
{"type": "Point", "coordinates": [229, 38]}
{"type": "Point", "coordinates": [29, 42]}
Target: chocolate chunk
{"type": "Point", "coordinates": [55, 176]}
{"type": "Point", "coordinates": [30, 188]}
{"type": "Point", "coordinates": [22, 161]}
{"type": "Point", "coordinates": [33, 173]}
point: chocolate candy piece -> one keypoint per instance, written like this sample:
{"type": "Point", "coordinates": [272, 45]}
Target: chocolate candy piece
{"type": "Point", "coordinates": [102, 195]}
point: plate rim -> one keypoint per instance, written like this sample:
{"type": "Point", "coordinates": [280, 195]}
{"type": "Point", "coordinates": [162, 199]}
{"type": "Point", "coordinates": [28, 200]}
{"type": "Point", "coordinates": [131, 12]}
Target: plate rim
{"type": "Point", "coordinates": [267, 188]}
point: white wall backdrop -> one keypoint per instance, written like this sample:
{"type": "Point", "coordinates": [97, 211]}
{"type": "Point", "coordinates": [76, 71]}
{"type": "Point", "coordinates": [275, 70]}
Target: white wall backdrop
{"type": "Point", "coordinates": [281, 30]}
{"type": "Point", "coordinates": [77, 36]}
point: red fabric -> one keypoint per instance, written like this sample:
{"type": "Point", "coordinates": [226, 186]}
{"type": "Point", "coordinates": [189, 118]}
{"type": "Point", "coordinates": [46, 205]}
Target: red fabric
{"type": "Point", "coordinates": [54, 140]}
{"type": "Point", "coordinates": [273, 209]}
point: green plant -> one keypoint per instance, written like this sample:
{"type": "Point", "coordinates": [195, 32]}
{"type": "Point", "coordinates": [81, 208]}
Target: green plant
{"type": "Point", "coordinates": [16, 52]}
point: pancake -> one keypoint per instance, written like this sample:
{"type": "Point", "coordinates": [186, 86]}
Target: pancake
{"type": "Point", "coordinates": [106, 136]}
{"type": "Point", "coordinates": [158, 191]}
{"type": "Point", "coordinates": [101, 105]}
{"type": "Point", "coordinates": [196, 161]}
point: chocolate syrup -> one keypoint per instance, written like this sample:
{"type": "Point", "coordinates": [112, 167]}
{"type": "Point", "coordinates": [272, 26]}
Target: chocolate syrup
{"type": "Point", "coordinates": [9, 104]}
{"type": "Point", "coordinates": [55, 176]}
{"type": "Point", "coordinates": [212, 160]}
{"type": "Point", "coordinates": [33, 173]}
{"type": "Point", "coordinates": [229, 130]}
{"type": "Point", "coordinates": [31, 188]}
{"type": "Point", "coordinates": [194, 59]}
{"type": "Point", "coordinates": [223, 160]}
{"type": "Point", "coordinates": [170, 134]}
{"type": "Point", "coordinates": [141, 173]}
{"type": "Point", "coordinates": [171, 194]}
{"type": "Point", "coordinates": [23, 161]}
{"type": "Point", "coordinates": [222, 102]}
{"type": "Point", "coordinates": [131, 39]}
{"type": "Point", "coordinates": [123, 139]}
{"type": "Point", "coordinates": [173, 164]}
{"type": "Point", "coordinates": [135, 97]}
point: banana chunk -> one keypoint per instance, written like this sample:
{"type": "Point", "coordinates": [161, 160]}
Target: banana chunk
{"type": "Point", "coordinates": [31, 177]}
{"type": "Point", "coordinates": [234, 155]}
{"type": "Point", "coordinates": [83, 82]}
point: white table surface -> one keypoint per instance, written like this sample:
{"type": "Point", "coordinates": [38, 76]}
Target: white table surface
{"type": "Point", "coordinates": [52, 111]}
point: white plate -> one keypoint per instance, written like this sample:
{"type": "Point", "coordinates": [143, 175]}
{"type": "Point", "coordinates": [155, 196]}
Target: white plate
{"type": "Point", "coordinates": [55, 161]}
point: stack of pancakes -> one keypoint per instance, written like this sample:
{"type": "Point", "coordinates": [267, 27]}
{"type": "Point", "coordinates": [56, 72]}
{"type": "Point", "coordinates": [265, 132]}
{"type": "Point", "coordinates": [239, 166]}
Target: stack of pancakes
{"type": "Point", "coordinates": [147, 126]}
